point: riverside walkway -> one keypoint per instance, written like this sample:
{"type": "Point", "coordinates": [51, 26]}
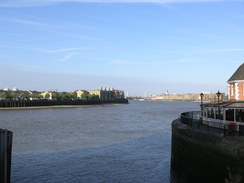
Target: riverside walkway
{"type": "Point", "coordinates": [220, 127]}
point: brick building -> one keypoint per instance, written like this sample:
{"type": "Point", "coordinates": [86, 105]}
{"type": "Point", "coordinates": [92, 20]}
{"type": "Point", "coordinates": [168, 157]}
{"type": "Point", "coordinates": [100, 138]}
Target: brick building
{"type": "Point", "coordinates": [236, 84]}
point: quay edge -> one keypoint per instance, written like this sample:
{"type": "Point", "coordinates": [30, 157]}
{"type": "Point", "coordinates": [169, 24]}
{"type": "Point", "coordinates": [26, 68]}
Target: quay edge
{"type": "Point", "coordinates": [201, 156]}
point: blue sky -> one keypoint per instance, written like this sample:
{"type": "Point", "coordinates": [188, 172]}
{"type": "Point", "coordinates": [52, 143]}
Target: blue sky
{"type": "Point", "coordinates": [183, 46]}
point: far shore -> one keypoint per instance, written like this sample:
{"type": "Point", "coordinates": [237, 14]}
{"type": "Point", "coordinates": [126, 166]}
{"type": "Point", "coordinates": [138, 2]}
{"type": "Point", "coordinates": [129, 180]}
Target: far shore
{"type": "Point", "coordinates": [57, 107]}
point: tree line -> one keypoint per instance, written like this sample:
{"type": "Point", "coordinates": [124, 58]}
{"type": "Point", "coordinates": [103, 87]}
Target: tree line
{"type": "Point", "coordinates": [57, 96]}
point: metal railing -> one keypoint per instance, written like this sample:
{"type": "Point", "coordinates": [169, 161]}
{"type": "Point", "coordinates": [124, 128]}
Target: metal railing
{"type": "Point", "coordinates": [5, 155]}
{"type": "Point", "coordinates": [224, 128]}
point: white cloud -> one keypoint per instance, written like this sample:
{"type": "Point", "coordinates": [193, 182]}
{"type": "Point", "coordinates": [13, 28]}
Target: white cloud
{"type": "Point", "coordinates": [61, 50]}
{"type": "Point", "coordinates": [26, 3]}
{"type": "Point", "coordinates": [230, 50]}
{"type": "Point", "coordinates": [67, 57]}
{"type": "Point", "coordinates": [29, 22]}
{"type": "Point", "coordinates": [118, 61]}
{"type": "Point", "coordinates": [152, 63]}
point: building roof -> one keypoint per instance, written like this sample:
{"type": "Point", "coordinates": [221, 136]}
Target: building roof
{"type": "Point", "coordinates": [238, 75]}
{"type": "Point", "coordinates": [226, 104]}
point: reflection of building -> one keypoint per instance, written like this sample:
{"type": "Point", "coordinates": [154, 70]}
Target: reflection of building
{"type": "Point", "coordinates": [236, 84]}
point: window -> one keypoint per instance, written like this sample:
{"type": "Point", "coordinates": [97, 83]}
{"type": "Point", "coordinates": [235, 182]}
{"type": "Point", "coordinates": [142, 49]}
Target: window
{"type": "Point", "coordinates": [232, 86]}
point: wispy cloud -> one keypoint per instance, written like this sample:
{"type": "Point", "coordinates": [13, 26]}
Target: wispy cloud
{"type": "Point", "coordinates": [62, 50]}
{"type": "Point", "coordinates": [229, 50]}
{"type": "Point", "coordinates": [2, 55]}
{"type": "Point", "coordinates": [29, 22]}
{"type": "Point", "coordinates": [26, 3]}
{"type": "Point", "coordinates": [54, 28]}
{"type": "Point", "coordinates": [140, 63]}
{"type": "Point", "coordinates": [67, 57]}
{"type": "Point", "coordinates": [118, 61]}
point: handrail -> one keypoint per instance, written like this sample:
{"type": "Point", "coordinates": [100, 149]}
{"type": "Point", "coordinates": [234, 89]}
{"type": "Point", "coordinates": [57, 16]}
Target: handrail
{"type": "Point", "coordinates": [193, 119]}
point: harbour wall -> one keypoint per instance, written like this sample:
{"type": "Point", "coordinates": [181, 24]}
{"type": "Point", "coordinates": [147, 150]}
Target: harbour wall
{"type": "Point", "coordinates": [202, 156]}
{"type": "Point", "coordinates": [32, 103]}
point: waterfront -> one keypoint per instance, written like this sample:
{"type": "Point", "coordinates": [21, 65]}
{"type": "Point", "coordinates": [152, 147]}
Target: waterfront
{"type": "Point", "coordinates": [125, 143]}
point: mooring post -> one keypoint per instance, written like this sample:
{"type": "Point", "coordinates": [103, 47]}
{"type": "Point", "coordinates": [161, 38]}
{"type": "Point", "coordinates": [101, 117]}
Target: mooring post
{"type": "Point", "coordinates": [5, 155]}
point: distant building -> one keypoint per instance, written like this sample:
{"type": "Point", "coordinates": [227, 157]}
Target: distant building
{"type": "Point", "coordinates": [15, 89]}
{"type": "Point", "coordinates": [236, 84]}
{"type": "Point", "coordinates": [108, 94]}
{"type": "Point", "coordinates": [6, 89]}
{"type": "Point", "coordinates": [80, 92]}
{"type": "Point", "coordinates": [49, 93]}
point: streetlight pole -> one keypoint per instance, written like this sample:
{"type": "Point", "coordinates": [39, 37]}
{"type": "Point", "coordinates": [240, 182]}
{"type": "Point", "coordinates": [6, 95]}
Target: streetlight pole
{"type": "Point", "coordinates": [218, 95]}
{"type": "Point", "coordinates": [201, 95]}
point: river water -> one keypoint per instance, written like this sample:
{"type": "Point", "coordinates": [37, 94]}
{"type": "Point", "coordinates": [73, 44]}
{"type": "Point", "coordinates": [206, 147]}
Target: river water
{"type": "Point", "coordinates": [107, 144]}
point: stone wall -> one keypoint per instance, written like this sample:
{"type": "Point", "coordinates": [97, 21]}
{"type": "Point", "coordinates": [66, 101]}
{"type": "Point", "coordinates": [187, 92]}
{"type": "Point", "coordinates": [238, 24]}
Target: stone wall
{"type": "Point", "coordinates": [205, 157]}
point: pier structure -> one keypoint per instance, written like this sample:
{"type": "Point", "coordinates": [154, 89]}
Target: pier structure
{"type": "Point", "coordinates": [6, 137]}
{"type": "Point", "coordinates": [206, 152]}
{"type": "Point", "coordinates": [208, 145]}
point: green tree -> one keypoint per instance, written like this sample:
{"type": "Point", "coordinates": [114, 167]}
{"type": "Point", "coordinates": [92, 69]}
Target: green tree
{"type": "Point", "coordinates": [13, 95]}
{"type": "Point", "coordinates": [74, 95]}
{"type": "Point", "coordinates": [94, 96]}
{"type": "Point", "coordinates": [61, 95]}
{"type": "Point", "coordinates": [33, 95]}
{"type": "Point", "coordinates": [47, 95]}
{"type": "Point", "coordinates": [3, 95]}
{"type": "Point", "coordinates": [84, 96]}
{"type": "Point", "coordinates": [67, 95]}
{"type": "Point", "coordinates": [22, 95]}
{"type": "Point", "coordinates": [54, 95]}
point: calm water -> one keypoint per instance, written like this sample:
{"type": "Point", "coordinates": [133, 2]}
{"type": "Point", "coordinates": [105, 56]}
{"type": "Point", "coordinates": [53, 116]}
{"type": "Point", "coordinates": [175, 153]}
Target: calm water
{"type": "Point", "coordinates": [115, 144]}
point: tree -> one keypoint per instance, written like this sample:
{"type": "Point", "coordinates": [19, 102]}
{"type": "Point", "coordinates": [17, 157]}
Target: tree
{"type": "Point", "coordinates": [47, 95]}
{"type": "Point", "coordinates": [13, 95]}
{"type": "Point", "coordinates": [74, 95]}
{"type": "Point", "coordinates": [22, 95]}
{"type": "Point", "coordinates": [33, 95]}
{"type": "Point", "coordinates": [67, 95]}
{"type": "Point", "coordinates": [84, 96]}
{"type": "Point", "coordinates": [94, 96]}
{"type": "Point", "coordinates": [61, 95]}
{"type": "Point", "coordinates": [3, 95]}
{"type": "Point", "coordinates": [54, 95]}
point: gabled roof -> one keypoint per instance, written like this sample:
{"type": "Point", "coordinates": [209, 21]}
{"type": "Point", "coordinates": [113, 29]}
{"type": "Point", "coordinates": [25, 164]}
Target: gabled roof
{"type": "Point", "coordinates": [226, 104]}
{"type": "Point", "coordinates": [238, 75]}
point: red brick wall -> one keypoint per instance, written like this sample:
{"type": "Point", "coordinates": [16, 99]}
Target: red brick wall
{"type": "Point", "coordinates": [241, 91]}
{"type": "Point", "coordinates": [241, 94]}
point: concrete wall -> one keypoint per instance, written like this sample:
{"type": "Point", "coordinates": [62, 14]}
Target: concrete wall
{"type": "Point", "coordinates": [187, 97]}
{"type": "Point", "coordinates": [205, 157]}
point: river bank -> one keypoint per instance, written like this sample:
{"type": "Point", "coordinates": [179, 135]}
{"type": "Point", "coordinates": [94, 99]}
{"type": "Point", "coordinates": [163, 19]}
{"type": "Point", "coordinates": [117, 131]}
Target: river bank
{"type": "Point", "coordinates": [43, 104]}
{"type": "Point", "coordinates": [57, 107]}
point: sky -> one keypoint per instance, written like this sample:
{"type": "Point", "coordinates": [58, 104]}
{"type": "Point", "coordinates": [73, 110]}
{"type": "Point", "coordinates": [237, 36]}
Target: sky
{"type": "Point", "coordinates": [139, 46]}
